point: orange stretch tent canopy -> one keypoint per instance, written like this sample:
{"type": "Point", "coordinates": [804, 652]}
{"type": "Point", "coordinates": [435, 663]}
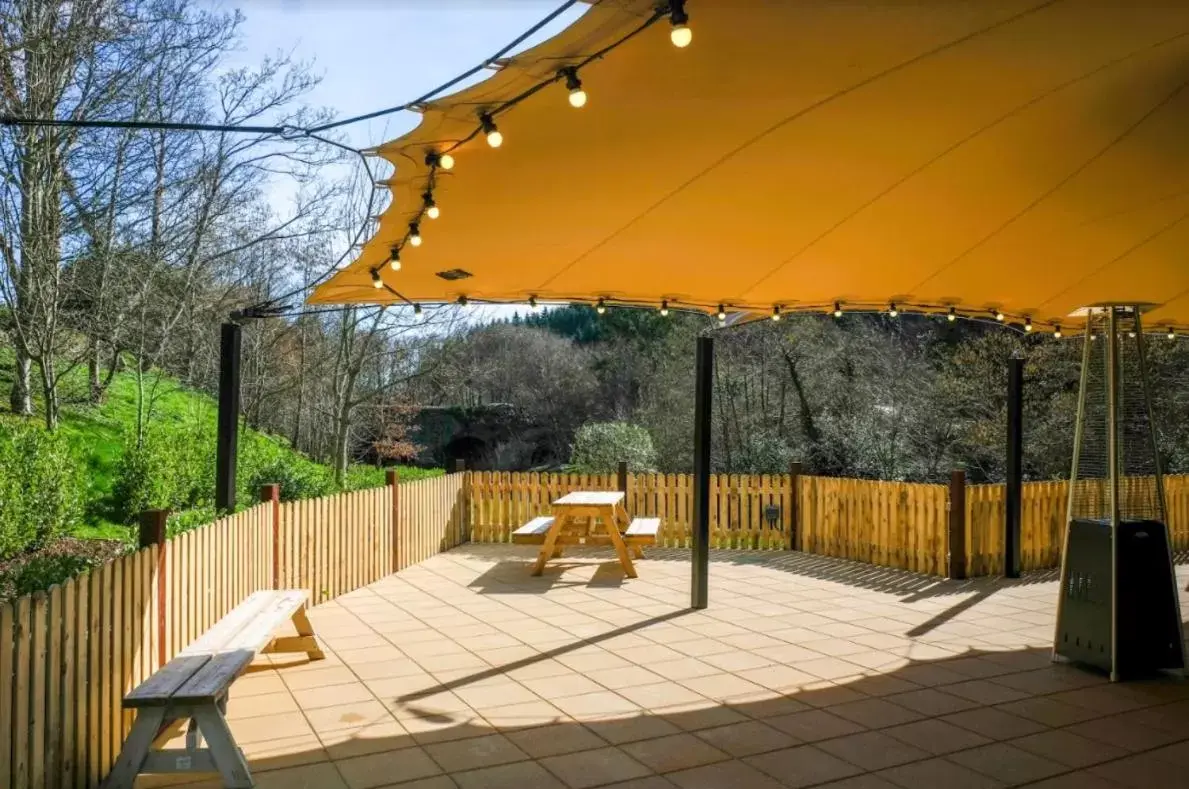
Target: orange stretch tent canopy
{"type": "Point", "coordinates": [1023, 156]}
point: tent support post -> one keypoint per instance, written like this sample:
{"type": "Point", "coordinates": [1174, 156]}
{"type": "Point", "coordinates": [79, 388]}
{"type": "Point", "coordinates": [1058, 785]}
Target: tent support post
{"type": "Point", "coordinates": [1015, 468]}
{"type": "Point", "coordinates": [228, 420]}
{"type": "Point", "coordinates": [703, 391]}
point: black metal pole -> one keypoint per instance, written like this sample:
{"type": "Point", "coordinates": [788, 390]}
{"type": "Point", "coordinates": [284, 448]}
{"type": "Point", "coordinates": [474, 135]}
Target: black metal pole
{"type": "Point", "coordinates": [1015, 468]}
{"type": "Point", "coordinates": [699, 597]}
{"type": "Point", "coordinates": [228, 437]}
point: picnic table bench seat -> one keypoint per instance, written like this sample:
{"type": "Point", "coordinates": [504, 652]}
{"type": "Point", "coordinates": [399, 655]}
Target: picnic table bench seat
{"type": "Point", "coordinates": [194, 687]}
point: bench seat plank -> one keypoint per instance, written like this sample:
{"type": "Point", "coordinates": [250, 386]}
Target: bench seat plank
{"type": "Point", "coordinates": [225, 629]}
{"type": "Point", "coordinates": [534, 531]}
{"type": "Point", "coordinates": [157, 689]}
{"type": "Point", "coordinates": [212, 680]}
{"type": "Point", "coordinates": [642, 530]}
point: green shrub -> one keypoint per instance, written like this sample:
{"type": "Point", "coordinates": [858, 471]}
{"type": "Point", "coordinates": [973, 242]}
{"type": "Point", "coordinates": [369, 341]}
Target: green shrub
{"type": "Point", "coordinates": [171, 468]}
{"type": "Point", "coordinates": [41, 487]}
{"type": "Point", "coordinates": [42, 572]}
{"type": "Point", "coordinates": [188, 520]}
{"type": "Point", "coordinates": [262, 462]}
{"type": "Point", "coordinates": [600, 446]}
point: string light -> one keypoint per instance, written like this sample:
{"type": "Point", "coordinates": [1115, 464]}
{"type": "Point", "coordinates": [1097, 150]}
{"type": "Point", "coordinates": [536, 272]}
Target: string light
{"type": "Point", "coordinates": [416, 309]}
{"type": "Point", "coordinates": [377, 283]}
{"type": "Point", "coordinates": [722, 314]}
{"type": "Point", "coordinates": [394, 258]}
{"type": "Point", "coordinates": [952, 315]}
{"type": "Point", "coordinates": [679, 34]}
{"type": "Point", "coordinates": [665, 308]}
{"type": "Point", "coordinates": [1172, 334]}
{"type": "Point", "coordinates": [892, 311]}
{"type": "Point", "coordinates": [837, 309]}
{"type": "Point", "coordinates": [494, 138]}
{"type": "Point", "coordinates": [532, 303]}
{"type": "Point", "coordinates": [1057, 332]}
{"type": "Point", "coordinates": [415, 234]}
{"type": "Point", "coordinates": [1093, 336]}
{"type": "Point", "coordinates": [462, 301]}
{"type": "Point", "coordinates": [601, 306]}
{"type": "Point", "coordinates": [443, 160]}
{"type": "Point", "coordinates": [574, 85]}
{"type": "Point", "coordinates": [776, 313]}
{"type": "Point", "coordinates": [431, 208]}
{"type": "Point", "coordinates": [999, 316]}
{"type": "Point", "coordinates": [1027, 324]}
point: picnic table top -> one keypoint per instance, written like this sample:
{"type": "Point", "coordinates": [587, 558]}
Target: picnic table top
{"type": "Point", "coordinates": [605, 498]}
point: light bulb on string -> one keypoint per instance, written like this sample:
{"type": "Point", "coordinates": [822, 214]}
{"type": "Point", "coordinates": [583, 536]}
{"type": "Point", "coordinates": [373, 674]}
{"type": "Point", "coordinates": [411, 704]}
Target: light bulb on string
{"type": "Point", "coordinates": [601, 306]}
{"type": "Point", "coordinates": [722, 314]}
{"type": "Point", "coordinates": [416, 309]}
{"type": "Point", "coordinates": [1057, 332]}
{"type": "Point", "coordinates": [952, 315]}
{"type": "Point", "coordinates": [892, 311]}
{"type": "Point", "coordinates": [665, 308]}
{"type": "Point", "coordinates": [679, 33]}
{"type": "Point", "coordinates": [532, 304]}
{"type": "Point", "coordinates": [1172, 334]}
{"type": "Point", "coordinates": [431, 207]}
{"type": "Point", "coordinates": [837, 309]}
{"type": "Point", "coordinates": [494, 138]}
{"type": "Point", "coordinates": [574, 85]}
{"type": "Point", "coordinates": [999, 316]}
{"type": "Point", "coordinates": [776, 313]}
{"type": "Point", "coordinates": [1027, 324]}
{"type": "Point", "coordinates": [377, 283]}
{"type": "Point", "coordinates": [1131, 335]}
{"type": "Point", "coordinates": [462, 301]}
{"type": "Point", "coordinates": [415, 234]}
{"type": "Point", "coordinates": [443, 160]}
{"type": "Point", "coordinates": [394, 258]}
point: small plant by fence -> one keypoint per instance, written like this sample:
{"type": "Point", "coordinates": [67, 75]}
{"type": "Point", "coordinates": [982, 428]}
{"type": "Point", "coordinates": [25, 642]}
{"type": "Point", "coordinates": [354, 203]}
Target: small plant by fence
{"type": "Point", "coordinates": [68, 656]}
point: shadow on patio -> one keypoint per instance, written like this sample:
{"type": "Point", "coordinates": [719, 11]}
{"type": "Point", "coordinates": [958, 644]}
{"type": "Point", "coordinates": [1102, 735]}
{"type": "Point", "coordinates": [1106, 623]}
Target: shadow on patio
{"type": "Point", "coordinates": [787, 680]}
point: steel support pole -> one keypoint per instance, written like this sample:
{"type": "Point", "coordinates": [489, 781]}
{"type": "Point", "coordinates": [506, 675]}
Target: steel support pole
{"type": "Point", "coordinates": [703, 391]}
{"type": "Point", "coordinates": [1015, 468]}
{"type": "Point", "coordinates": [228, 422]}
{"type": "Point", "coordinates": [1112, 445]}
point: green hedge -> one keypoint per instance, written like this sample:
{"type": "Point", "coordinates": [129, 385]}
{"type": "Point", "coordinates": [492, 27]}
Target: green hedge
{"type": "Point", "coordinates": [41, 487]}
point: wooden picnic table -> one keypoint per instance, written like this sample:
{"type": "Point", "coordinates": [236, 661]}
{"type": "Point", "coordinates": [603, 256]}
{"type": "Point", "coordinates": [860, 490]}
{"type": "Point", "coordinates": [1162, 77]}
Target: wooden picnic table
{"type": "Point", "coordinates": [574, 519]}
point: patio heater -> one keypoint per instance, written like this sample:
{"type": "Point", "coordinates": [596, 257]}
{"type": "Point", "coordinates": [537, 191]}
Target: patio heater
{"type": "Point", "coordinates": [1117, 608]}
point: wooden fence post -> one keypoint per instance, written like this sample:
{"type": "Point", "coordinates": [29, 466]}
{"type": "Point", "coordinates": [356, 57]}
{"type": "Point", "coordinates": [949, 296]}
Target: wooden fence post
{"type": "Point", "coordinates": [957, 525]}
{"type": "Point", "coordinates": [795, 469]}
{"type": "Point", "coordinates": [392, 480]}
{"type": "Point", "coordinates": [152, 532]}
{"type": "Point", "coordinates": [621, 481]}
{"type": "Point", "coordinates": [272, 493]}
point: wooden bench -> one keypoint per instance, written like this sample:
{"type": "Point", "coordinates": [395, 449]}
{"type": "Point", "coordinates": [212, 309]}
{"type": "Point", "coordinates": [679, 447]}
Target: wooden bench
{"type": "Point", "coordinates": [533, 532]}
{"type": "Point", "coordinates": [642, 531]}
{"type": "Point", "coordinates": [194, 687]}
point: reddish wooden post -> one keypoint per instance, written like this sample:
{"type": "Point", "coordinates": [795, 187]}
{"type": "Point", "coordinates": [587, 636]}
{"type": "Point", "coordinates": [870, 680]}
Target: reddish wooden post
{"type": "Point", "coordinates": [392, 479]}
{"type": "Point", "coordinates": [795, 469]}
{"type": "Point", "coordinates": [460, 465]}
{"type": "Point", "coordinates": [272, 492]}
{"type": "Point", "coordinates": [957, 525]}
{"type": "Point", "coordinates": [152, 532]}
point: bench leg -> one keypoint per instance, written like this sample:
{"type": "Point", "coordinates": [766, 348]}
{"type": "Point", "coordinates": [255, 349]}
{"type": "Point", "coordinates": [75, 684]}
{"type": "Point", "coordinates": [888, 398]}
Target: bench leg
{"type": "Point", "coordinates": [637, 551]}
{"type": "Point", "coordinates": [227, 756]}
{"type": "Point", "coordinates": [302, 623]}
{"type": "Point", "coordinates": [136, 748]}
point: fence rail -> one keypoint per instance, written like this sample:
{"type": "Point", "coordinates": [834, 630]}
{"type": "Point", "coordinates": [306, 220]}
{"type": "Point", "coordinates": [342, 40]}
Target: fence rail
{"type": "Point", "coordinates": [68, 656]}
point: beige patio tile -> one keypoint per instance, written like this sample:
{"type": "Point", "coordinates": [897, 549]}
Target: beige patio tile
{"type": "Point", "coordinates": [554, 740]}
{"type": "Point", "coordinates": [518, 716]}
{"type": "Point", "coordinates": [659, 695]}
{"type": "Point", "coordinates": [994, 723]}
{"type": "Point", "coordinates": [875, 713]}
{"type": "Point", "coordinates": [675, 752]}
{"type": "Point", "coordinates": [931, 702]}
{"type": "Point", "coordinates": [437, 782]}
{"type": "Point", "coordinates": [936, 736]}
{"type": "Point", "coordinates": [569, 684]}
{"type": "Point", "coordinates": [627, 677]}
{"type": "Point", "coordinates": [595, 705]}
{"type": "Point", "coordinates": [872, 750]}
{"type": "Point", "coordinates": [1065, 747]}
{"type": "Point", "coordinates": [332, 695]}
{"type": "Point", "coordinates": [630, 728]}
{"type": "Point", "coordinates": [1049, 711]}
{"type": "Point", "coordinates": [331, 675]}
{"type": "Point", "coordinates": [593, 768]}
{"type": "Point", "coordinates": [1119, 731]}
{"type": "Point", "coordinates": [683, 668]}
{"type": "Point", "coordinates": [721, 687]}
{"type": "Point", "coordinates": [736, 660]}
{"type": "Point", "coordinates": [1007, 763]}
{"type": "Point", "coordinates": [814, 725]}
{"type": "Point", "coordinates": [803, 765]}
{"type": "Point", "coordinates": [700, 715]}
{"type": "Point", "coordinates": [938, 773]}
{"type": "Point", "coordinates": [475, 752]}
{"type": "Point", "coordinates": [370, 654]}
{"type": "Point", "coordinates": [747, 738]}
{"type": "Point", "coordinates": [521, 775]}
{"type": "Point", "coordinates": [323, 775]}
{"type": "Point", "coordinates": [381, 769]}
{"type": "Point", "coordinates": [723, 775]}
{"type": "Point", "coordinates": [831, 668]}
{"type": "Point", "coordinates": [495, 695]}
{"type": "Point", "coordinates": [270, 727]}
{"type": "Point", "coordinates": [384, 734]}
{"type": "Point", "coordinates": [347, 716]}
{"type": "Point", "coordinates": [259, 684]}
{"type": "Point", "coordinates": [263, 704]}
{"type": "Point", "coordinates": [985, 692]}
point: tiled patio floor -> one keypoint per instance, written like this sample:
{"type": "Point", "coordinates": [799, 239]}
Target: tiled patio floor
{"type": "Point", "coordinates": [465, 672]}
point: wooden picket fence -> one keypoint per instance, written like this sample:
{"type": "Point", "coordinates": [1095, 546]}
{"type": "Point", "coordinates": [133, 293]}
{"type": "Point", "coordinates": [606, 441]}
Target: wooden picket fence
{"type": "Point", "coordinates": [68, 655]}
{"type": "Point", "coordinates": [892, 524]}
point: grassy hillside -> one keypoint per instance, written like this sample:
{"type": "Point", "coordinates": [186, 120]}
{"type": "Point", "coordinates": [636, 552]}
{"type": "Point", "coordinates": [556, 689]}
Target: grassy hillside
{"type": "Point", "coordinates": [98, 436]}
